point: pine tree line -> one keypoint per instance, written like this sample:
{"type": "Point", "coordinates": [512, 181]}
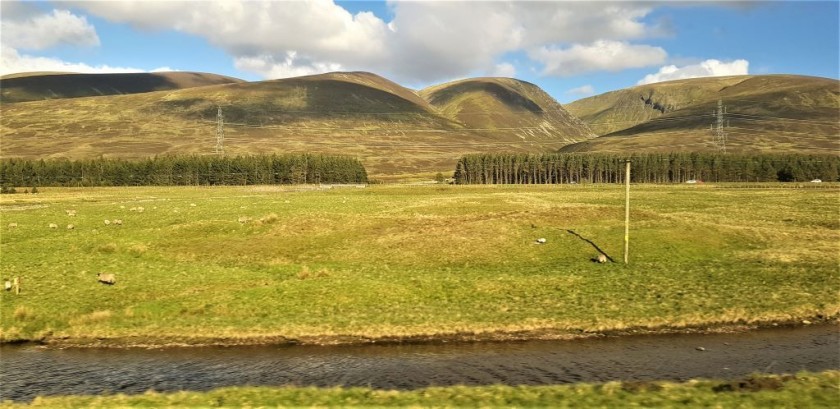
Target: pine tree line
{"type": "Point", "coordinates": [676, 167]}
{"type": "Point", "coordinates": [184, 170]}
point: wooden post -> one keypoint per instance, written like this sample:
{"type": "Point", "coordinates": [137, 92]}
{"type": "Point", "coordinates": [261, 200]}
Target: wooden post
{"type": "Point", "coordinates": [627, 211]}
{"type": "Point", "coordinates": [16, 284]}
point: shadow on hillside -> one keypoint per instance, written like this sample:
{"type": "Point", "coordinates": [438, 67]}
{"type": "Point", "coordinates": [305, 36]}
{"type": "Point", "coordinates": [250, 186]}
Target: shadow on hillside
{"type": "Point", "coordinates": [71, 85]}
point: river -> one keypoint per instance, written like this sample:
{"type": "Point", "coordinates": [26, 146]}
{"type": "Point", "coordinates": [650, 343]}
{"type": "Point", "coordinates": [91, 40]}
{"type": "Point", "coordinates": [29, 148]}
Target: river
{"type": "Point", "coordinates": [28, 371]}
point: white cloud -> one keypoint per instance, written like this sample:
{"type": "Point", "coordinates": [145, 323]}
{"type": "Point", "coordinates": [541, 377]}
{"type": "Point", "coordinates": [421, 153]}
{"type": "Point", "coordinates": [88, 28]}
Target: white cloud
{"type": "Point", "coordinates": [13, 62]}
{"type": "Point", "coordinates": [261, 35]}
{"type": "Point", "coordinates": [504, 70]}
{"type": "Point", "coordinates": [43, 31]}
{"type": "Point", "coordinates": [708, 68]}
{"type": "Point", "coordinates": [425, 41]}
{"type": "Point", "coordinates": [582, 91]}
{"type": "Point", "coordinates": [602, 55]}
{"type": "Point", "coordinates": [266, 66]}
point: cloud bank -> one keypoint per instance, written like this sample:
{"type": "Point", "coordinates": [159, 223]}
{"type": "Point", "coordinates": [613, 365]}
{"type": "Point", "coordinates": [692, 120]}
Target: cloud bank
{"type": "Point", "coordinates": [708, 68]}
{"type": "Point", "coordinates": [24, 27]}
{"type": "Point", "coordinates": [423, 42]}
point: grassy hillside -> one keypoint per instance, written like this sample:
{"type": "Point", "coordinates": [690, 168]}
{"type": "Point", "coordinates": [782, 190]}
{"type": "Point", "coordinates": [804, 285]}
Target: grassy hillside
{"type": "Point", "coordinates": [772, 113]}
{"type": "Point", "coordinates": [507, 105]}
{"type": "Point", "coordinates": [392, 129]}
{"type": "Point", "coordinates": [54, 85]}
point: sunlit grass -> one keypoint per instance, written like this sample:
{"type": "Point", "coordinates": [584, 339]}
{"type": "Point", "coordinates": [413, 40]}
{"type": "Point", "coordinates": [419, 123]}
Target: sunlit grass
{"type": "Point", "coordinates": [804, 390]}
{"type": "Point", "coordinates": [245, 264]}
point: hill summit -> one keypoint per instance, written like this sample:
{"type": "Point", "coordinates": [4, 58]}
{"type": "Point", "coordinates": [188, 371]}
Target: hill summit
{"type": "Point", "coordinates": [760, 113]}
{"type": "Point", "coordinates": [40, 86]}
{"type": "Point", "coordinates": [393, 129]}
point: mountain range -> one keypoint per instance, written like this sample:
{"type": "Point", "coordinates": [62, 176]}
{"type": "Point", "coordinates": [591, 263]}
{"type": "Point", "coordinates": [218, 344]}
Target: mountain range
{"type": "Point", "coordinates": [397, 131]}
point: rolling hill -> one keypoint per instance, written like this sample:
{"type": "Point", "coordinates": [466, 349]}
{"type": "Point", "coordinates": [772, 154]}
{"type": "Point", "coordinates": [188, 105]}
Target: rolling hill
{"type": "Point", "coordinates": [38, 86]}
{"type": "Point", "coordinates": [773, 113]}
{"type": "Point", "coordinates": [392, 129]}
{"type": "Point", "coordinates": [507, 105]}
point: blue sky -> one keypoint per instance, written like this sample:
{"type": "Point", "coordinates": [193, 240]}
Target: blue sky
{"type": "Point", "coordinates": [570, 49]}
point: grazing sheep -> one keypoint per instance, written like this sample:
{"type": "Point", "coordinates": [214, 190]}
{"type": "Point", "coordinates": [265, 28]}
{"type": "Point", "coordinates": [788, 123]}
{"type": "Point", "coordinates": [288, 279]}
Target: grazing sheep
{"type": "Point", "coordinates": [109, 279]}
{"type": "Point", "coordinates": [8, 285]}
{"type": "Point", "coordinates": [602, 258]}
{"type": "Point", "coordinates": [118, 222]}
{"type": "Point", "coordinates": [53, 226]}
{"type": "Point", "coordinates": [540, 240]}
{"type": "Point", "coordinates": [107, 222]}
{"type": "Point", "coordinates": [133, 209]}
{"type": "Point", "coordinates": [243, 219]}
{"type": "Point", "coordinates": [140, 209]}
{"type": "Point", "coordinates": [71, 212]}
{"type": "Point", "coordinates": [12, 225]}
{"type": "Point", "coordinates": [70, 227]}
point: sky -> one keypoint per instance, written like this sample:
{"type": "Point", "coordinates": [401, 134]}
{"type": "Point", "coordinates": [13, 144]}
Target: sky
{"type": "Point", "coordinates": [570, 49]}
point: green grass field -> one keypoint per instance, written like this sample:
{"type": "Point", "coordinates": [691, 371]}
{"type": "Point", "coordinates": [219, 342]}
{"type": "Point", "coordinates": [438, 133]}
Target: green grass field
{"type": "Point", "coordinates": [804, 390]}
{"type": "Point", "coordinates": [391, 262]}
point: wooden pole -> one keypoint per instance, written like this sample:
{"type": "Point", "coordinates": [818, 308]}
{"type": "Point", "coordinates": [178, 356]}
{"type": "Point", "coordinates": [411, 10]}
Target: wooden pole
{"type": "Point", "coordinates": [627, 211]}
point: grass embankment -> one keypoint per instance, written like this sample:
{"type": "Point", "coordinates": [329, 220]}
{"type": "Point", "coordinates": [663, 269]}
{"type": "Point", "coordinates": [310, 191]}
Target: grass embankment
{"type": "Point", "coordinates": [805, 390]}
{"type": "Point", "coordinates": [348, 265]}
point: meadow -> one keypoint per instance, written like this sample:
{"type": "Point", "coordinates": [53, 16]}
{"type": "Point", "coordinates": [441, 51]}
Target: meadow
{"type": "Point", "coordinates": [812, 390]}
{"type": "Point", "coordinates": [303, 264]}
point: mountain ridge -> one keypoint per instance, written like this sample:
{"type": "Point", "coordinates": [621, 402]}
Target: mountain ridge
{"type": "Point", "coordinates": [394, 129]}
{"type": "Point", "coordinates": [35, 86]}
{"type": "Point", "coordinates": [762, 113]}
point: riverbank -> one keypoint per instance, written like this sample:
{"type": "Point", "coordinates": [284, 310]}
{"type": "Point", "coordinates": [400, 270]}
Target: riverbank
{"type": "Point", "coordinates": [259, 265]}
{"type": "Point", "coordinates": [804, 389]}
{"type": "Point", "coordinates": [432, 339]}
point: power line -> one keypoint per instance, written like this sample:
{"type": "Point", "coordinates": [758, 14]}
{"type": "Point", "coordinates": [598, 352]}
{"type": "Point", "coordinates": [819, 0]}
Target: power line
{"type": "Point", "coordinates": [720, 134]}
{"type": "Point", "coordinates": [220, 132]}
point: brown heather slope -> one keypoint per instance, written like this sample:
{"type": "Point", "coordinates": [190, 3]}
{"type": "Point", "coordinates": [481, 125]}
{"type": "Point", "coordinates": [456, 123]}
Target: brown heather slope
{"type": "Point", "coordinates": [26, 87]}
{"type": "Point", "coordinates": [771, 113]}
{"type": "Point", "coordinates": [507, 105]}
{"type": "Point", "coordinates": [392, 129]}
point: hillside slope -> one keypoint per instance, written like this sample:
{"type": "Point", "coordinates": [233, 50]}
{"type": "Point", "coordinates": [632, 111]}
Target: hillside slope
{"type": "Point", "coordinates": [494, 105]}
{"type": "Point", "coordinates": [763, 113]}
{"type": "Point", "coordinates": [392, 129]}
{"type": "Point", "coordinates": [47, 85]}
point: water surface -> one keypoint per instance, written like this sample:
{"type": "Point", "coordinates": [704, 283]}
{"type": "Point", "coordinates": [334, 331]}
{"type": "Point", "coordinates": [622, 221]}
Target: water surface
{"type": "Point", "coordinates": [26, 372]}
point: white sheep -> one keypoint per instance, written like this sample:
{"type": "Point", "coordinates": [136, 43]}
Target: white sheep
{"type": "Point", "coordinates": [8, 285]}
{"type": "Point", "coordinates": [13, 225]}
{"type": "Point", "coordinates": [107, 222]}
{"type": "Point", "coordinates": [53, 226]}
{"type": "Point", "coordinates": [118, 222]}
{"type": "Point", "coordinates": [70, 227]}
{"type": "Point", "coordinates": [243, 219]}
{"type": "Point", "coordinates": [133, 209]}
{"type": "Point", "coordinates": [602, 258]}
{"type": "Point", "coordinates": [109, 279]}
{"type": "Point", "coordinates": [71, 212]}
{"type": "Point", "coordinates": [140, 209]}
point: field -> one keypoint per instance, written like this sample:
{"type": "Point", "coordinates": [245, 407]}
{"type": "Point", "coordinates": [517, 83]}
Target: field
{"type": "Point", "coordinates": [811, 390]}
{"type": "Point", "coordinates": [299, 264]}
